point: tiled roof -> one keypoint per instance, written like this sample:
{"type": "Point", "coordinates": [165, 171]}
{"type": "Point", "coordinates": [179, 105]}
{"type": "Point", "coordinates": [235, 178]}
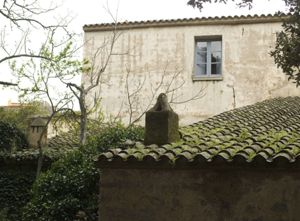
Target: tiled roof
{"type": "Point", "coordinates": [39, 122]}
{"type": "Point", "coordinates": [186, 21]}
{"type": "Point", "coordinates": [265, 132]}
{"type": "Point", "coordinates": [58, 146]}
{"type": "Point", "coordinates": [64, 140]}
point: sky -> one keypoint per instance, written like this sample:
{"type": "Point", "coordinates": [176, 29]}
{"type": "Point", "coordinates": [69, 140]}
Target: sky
{"type": "Point", "coordinates": [101, 11]}
{"type": "Point", "coordinates": [94, 11]}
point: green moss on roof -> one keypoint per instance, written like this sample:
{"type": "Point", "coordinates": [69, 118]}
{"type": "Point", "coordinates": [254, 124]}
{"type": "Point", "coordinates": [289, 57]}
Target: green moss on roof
{"type": "Point", "coordinates": [269, 130]}
{"type": "Point", "coordinates": [64, 140]}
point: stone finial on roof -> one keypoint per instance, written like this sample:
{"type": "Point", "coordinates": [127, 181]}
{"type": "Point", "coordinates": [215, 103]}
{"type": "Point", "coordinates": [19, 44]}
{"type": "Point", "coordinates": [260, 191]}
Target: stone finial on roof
{"type": "Point", "coordinates": [161, 123]}
{"type": "Point", "coordinates": [162, 104]}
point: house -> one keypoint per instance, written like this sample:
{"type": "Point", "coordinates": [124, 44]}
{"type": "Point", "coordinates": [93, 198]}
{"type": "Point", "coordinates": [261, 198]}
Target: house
{"type": "Point", "coordinates": [214, 63]}
{"type": "Point", "coordinates": [240, 165]}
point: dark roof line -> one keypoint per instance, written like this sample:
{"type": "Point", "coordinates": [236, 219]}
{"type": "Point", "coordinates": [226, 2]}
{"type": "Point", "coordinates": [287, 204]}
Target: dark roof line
{"type": "Point", "coordinates": [188, 21]}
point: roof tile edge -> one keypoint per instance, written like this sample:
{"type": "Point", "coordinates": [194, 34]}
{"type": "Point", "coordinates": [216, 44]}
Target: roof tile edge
{"type": "Point", "coordinates": [224, 20]}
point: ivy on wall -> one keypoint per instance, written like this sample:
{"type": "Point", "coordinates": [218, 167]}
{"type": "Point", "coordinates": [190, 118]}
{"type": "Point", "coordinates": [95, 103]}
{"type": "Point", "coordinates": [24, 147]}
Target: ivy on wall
{"type": "Point", "coordinates": [11, 137]}
{"type": "Point", "coordinates": [67, 191]}
{"type": "Point", "coordinates": [15, 188]}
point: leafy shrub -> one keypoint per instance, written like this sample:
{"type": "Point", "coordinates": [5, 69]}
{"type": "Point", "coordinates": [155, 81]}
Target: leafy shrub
{"type": "Point", "coordinates": [20, 115]}
{"type": "Point", "coordinates": [70, 186]}
{"type": "Point", "coordinates": [11, 137]}
{"type": "Point", "coordinates": [114, 135]}
{"type": "Point", "coordinates": [14, 192]}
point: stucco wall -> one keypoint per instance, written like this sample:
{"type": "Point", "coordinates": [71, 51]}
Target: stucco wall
{"type": "Point", "coordinates": [200, 195]}
{"type": "Point", "coordinates": [149, 53]}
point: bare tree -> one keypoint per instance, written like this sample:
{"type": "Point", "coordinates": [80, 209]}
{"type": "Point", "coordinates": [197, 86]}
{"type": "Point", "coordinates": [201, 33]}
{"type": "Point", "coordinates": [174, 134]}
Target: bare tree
{"type": "Point", "coordinates": [93, 74]}
{"type": "Point", "coordinates": [22, 18]}
{"type": "Point", "coordinates": [63, 66]}
{"type": "Point", "coordinates": [170, 83]}
{"type": "Point", "coordinates": [37, 80]}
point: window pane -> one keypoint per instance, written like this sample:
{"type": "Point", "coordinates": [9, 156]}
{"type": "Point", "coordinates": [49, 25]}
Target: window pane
{"type": "Point", "coordinates": [202, 46]}
{"type": "Point", "coordinates": [216, 68]}
{"type": "Point", "coordinates": [201, 57]}
{"type": "Point", "coordinates": [216, 46]}
{"type": "Point", "coordinates": [201, 69]}
{"type": "Point", "coordinates": [216, 57]}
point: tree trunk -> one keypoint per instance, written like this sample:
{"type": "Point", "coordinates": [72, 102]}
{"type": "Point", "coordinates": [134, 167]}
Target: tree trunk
{"type": "Point", "coordinates": [41, 154]}
{"type": "Point", "coordinates": [40, 159]}
{"type": "Point", "coordinates": [83, 119]}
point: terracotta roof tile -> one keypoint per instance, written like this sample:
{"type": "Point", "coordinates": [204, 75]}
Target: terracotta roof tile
{"type": "Point", "coordinates": [267, 131]}
{"type": "Point", "coordinates": [186, 21]}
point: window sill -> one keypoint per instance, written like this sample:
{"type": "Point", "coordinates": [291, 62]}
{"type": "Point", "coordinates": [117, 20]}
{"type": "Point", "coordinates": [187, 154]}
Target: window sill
{"type": "Point", "coordinates": [205, 78]}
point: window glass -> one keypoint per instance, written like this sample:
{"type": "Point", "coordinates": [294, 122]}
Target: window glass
{"type": "Point", "coordinates": [202, 57]}
{"type": "Point", "coordinates": [202, 46]}
{"type": "Point", "coordinates": [202, 69]}
{"type": "Point", "coordinates": [216, 46]}
{"type": "Point", "coordinates": [208, 58]}
{"type": "Point", "coordinates": [216, 69]}
{"type": "Point", "coordinates": [216, 56]}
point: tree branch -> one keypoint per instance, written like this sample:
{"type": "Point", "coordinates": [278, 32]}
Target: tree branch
{"type": "Point", "coordinates": [23, 55]}
{"type": "Point", "coordinates": [8, 83]}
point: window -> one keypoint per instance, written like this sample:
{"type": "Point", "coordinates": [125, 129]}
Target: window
{"type": "Point", "coordinates": [208, 58]}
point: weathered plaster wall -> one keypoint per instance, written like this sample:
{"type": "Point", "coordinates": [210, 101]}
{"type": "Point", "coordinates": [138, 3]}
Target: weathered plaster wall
{"type": "Point", "coordinates": [153, 52]}
{"type": "Point", "coordinates": [200, 195]}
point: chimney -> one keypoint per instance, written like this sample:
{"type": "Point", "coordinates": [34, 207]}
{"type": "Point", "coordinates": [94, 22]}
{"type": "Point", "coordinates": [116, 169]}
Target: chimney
{"type": "Point", "coordinates": [161, 123]}
{"type": "Point", "coordinates": [35, 129]}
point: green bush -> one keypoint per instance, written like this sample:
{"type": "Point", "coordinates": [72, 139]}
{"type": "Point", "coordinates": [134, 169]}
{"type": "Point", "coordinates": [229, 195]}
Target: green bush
{"type": "Point", "coordinates": [70, 186]}
{"type": "Point", "coordinates": [19, 116]}
{"type": "Point", "coordinates": [114, 136]}
{"type": "Point", "coordinates": [11, 137]}
{"type": "Point", "coordinates": [14, 192]}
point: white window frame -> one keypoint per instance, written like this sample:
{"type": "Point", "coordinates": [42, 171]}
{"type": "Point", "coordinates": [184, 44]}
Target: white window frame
{"type": "Point", "coordinates": [208, 75]}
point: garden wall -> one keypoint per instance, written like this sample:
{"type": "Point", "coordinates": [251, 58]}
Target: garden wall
{"type": "Point", "coordinates": [235, 194]}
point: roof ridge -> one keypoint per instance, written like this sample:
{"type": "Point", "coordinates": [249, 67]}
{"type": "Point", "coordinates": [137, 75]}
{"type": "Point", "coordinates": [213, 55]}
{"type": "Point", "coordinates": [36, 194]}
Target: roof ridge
{"type": "Point", "coordinates": [183, 21]}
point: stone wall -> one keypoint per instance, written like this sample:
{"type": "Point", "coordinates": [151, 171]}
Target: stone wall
{"type": "Point", "coordinates": [249, 73]}
{"type": "Point", "coordinates": [200, 195]}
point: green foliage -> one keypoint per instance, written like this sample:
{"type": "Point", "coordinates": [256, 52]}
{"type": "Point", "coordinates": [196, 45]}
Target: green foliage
{"type": "Point", "coordinates": [70, 186]}
{"type": "Point", "coordinates": [199, 3]}
{"type": "Point", "coordinates": [241, 3]}
{"type": "Point", "coordinates": [11, 137]}
{"type": "Point", "coordinates": [19, 116]}
{"type": "Point", "coordinates": [287, 50]}
{"type": "Point", "coordinates": [14, 192]}
{"type": "Point", "coordinates": [114, 135]}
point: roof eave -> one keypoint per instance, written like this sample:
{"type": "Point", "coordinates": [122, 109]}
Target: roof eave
{"type": "Point", "coordinates": [236, 20]}
{"type": "Point", "coordinates": [278, 164]}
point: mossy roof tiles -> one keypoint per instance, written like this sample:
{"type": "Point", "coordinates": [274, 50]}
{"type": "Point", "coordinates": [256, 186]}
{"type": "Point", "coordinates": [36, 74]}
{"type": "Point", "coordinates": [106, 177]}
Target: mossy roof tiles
{"type": "Point", "coordinates": [65, 140]}
{"type": "Point", "coordinates": [266, 131]}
